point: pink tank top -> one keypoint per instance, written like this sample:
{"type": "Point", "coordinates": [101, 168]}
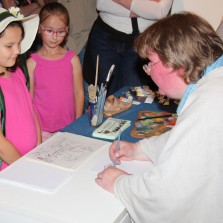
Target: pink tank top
{"type": "Point", "coordinates": [54, 92]}
{"type": "Point", "coordinates": [21, 129]}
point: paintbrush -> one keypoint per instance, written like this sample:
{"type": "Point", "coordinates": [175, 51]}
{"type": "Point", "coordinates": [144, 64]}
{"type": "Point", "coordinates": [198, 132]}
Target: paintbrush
{"type": "Point", "coordinates": [109, 76]}
{"type": "Point", "coordinates": [92, 89]}
{"type": "Point", "coordinates": [152, 117]}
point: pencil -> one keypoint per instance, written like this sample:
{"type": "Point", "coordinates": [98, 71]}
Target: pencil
{"type": "Point", "coordinates": [152, 117]}
{"type": "Point", "coordinates": [117, 147]}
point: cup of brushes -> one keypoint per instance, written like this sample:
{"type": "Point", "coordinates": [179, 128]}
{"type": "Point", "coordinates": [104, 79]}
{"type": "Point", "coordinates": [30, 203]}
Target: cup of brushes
{"type": "Point", "coordinates": [97, 99]}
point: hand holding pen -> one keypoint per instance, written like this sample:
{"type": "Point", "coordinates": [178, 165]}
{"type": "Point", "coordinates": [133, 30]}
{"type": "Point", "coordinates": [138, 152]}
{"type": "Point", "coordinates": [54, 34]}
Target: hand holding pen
{"type": "Point", "coordinates": [108, 176]}
{"type": "Point", "coordinates": [127, 151]}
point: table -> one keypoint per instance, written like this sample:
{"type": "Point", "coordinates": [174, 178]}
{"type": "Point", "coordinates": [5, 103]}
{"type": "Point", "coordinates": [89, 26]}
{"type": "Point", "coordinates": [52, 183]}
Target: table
{"type": "Point", "coordinates": [82, 126]}
{"type": "Point", "coordinates": [78, 200]}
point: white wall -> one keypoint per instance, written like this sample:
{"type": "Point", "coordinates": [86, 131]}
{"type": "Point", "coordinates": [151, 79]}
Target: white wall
{"type": "Point", "coordinates": [211, 10]}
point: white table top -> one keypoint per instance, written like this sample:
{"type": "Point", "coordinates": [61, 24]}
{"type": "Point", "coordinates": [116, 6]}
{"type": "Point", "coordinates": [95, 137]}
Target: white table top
{"type": "Point", "coordinates": [78, 200]}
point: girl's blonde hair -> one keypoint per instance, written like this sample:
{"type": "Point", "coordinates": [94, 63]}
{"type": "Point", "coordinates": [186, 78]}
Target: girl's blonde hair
{"type": "Point", "coordinates": [182, 40]}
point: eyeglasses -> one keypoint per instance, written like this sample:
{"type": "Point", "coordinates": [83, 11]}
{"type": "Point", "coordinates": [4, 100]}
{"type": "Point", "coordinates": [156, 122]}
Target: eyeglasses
{"type": "Point", "coordinates": [50, 32]}
{"type": "Point", "coordinates": [147, 67]}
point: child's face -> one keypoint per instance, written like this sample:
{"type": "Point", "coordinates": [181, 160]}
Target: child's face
{"type": "Point", "coordinates": [53, 31]}
{"type": "Point", "coordinates": [10, 47]}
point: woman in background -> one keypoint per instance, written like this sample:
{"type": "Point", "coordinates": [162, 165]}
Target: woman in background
{"type": "Point", "coordinates": [112, 37]}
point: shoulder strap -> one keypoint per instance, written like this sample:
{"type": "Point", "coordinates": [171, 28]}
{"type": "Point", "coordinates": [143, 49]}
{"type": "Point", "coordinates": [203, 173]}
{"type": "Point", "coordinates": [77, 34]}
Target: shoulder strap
{"type": "Point", "coordinates": [2, 113]}
{"type": "Point", "coordinates": [22, 63]}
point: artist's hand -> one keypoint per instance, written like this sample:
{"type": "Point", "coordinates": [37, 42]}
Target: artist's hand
{"type": "Point", "coordinates": [127, 151]}
{"type": "Point", "coordinates": [106, 179]}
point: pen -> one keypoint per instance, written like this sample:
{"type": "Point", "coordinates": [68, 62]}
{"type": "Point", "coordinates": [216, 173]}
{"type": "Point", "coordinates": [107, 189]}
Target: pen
{"type": "Point", "coordinates": [109, 76]}
{"type": "Point", "coordinates": [117, 147]}
{"type": "Point", "coordinates": [152, 117]}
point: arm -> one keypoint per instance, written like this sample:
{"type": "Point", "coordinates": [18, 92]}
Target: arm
{"type": "Point", "coordinates": [151, 9]}
{"type": "Point", "coordinates": [31, 64]}
{"type": "Point", "coordinates": [78, 86]}
{"type": "Point", "coordinates": [128, 151]}
{"type": "Point", "coordinates": [113, 8]}
{"type": "Point", "coordinates": [146, 149]}
{"type": "Point", "coordinates": [147, 9]}
{"type": "Point", "coordinates": [8, 4]}
{"type": "Point", "coordinates": [39, 132]}
{"type": "Point", "coordinates": [33, 8]}
{"type": "Point", "coordinates": [152, 147]}
{"type": "Point", "coordinates": [127, 3]}
{"type": "Point", "coordinates": [8, 152]}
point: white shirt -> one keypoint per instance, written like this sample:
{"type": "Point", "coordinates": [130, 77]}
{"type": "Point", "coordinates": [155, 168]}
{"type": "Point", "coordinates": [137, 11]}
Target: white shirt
{"type": "Point", "coordinates": [185, 185]}
{"type": "Point", "coordinates": [118, 17]}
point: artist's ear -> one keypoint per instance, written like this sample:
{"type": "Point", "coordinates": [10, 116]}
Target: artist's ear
{"type": "Point", "coordinates": [181, 72]}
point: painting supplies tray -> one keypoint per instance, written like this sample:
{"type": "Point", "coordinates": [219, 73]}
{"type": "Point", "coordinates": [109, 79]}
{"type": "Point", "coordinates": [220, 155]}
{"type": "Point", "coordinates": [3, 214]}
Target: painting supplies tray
{"type": "Point", "coordinates": [152, 123]}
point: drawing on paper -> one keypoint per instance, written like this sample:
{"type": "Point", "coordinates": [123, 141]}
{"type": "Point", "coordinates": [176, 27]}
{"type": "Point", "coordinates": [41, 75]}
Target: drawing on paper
{"type": "Point", "coordinates": [65, 150]}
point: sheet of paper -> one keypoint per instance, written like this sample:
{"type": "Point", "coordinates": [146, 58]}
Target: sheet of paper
{"type": "Point", "coordinates": [132, 167]}
{"type": "Point", "coordinates": [66, 150]}
{"type": "Point", "coordinates": [25, 172]}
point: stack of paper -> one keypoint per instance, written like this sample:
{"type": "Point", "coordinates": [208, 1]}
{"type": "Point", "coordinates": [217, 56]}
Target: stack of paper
{"type": "Point", "coordinates": [51, 164]}
{"type": "Point", "coordinates": [110, 128]}
{"type": "Point", "coordinates": [25, 172]}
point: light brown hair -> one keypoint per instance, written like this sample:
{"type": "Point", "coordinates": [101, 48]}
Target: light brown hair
{"type": "Point", "coordinates": [182, 40]}
{"type": "Point", "coordinates": [55, 9]}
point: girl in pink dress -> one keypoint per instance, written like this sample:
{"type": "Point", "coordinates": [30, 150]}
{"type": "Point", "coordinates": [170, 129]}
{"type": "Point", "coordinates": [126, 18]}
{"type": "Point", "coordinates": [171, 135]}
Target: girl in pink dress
{"type": "Point", "coordinates": [56, 82]}
{"type": "Point", "coordinates": [19, 132]}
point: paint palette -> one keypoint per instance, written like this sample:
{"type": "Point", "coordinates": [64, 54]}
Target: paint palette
{"type": "Point", "coordinates": [146, 126]}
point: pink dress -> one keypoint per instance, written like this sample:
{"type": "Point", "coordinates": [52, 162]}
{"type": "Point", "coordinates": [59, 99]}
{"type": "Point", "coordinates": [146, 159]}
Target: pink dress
{"type": "Point", "coordinates": [21, 128]}
{"type": "Point", "coordinates": [53, 92]}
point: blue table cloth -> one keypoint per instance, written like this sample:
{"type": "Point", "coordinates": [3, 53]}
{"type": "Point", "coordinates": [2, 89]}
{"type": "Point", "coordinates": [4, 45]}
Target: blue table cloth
{"type": "Point", "coordinates": [82, 125]}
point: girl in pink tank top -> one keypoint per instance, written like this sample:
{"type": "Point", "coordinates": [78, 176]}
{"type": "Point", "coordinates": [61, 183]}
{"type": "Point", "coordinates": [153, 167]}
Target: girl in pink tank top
{"type": "Point", "coordinates": [19, 128]}
{"type": "Point", "coordinates": [56, 82]}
